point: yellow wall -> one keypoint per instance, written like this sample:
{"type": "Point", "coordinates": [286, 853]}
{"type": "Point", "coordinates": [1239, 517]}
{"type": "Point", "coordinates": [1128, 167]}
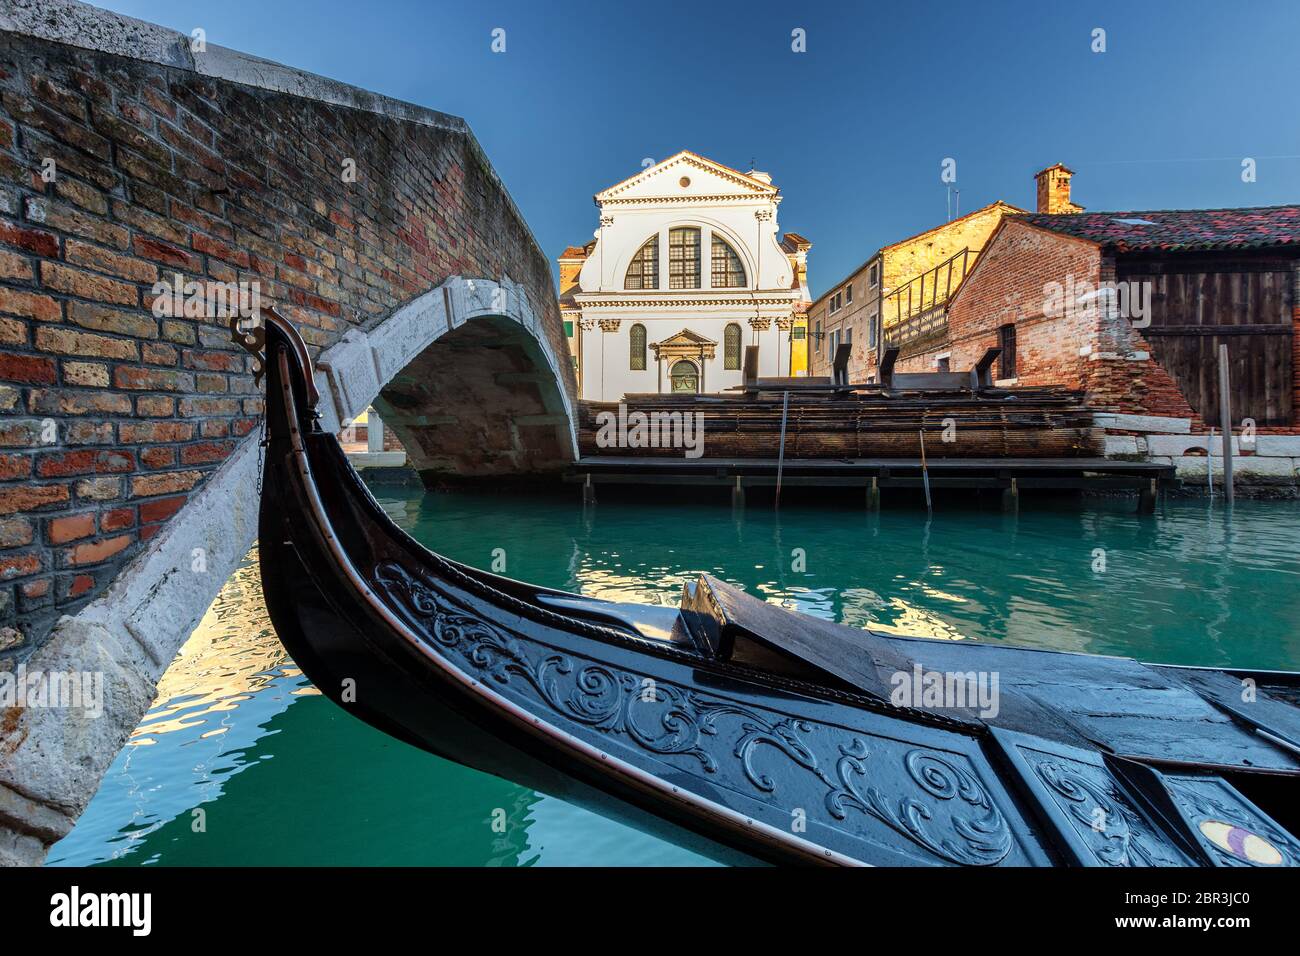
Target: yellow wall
{"type": "Point", "coordinates": [908, 259]}
{"type": "Point", "coordinates": [799, 348]}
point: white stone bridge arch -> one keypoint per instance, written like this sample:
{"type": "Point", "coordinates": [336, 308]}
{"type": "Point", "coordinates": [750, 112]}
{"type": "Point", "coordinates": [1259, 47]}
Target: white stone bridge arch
{"type": "Point", "coordinates": [465, 375]}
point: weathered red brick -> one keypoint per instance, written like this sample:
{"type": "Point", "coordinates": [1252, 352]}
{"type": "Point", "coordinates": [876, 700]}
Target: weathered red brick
{"type": "Point", "coordinates": [104, 260]}
{"type": "Point", "coordinates": [144, 486]}
{"type": "Point", "coordinates": [87, 462]}
{"type": "Point", "coordinates": [51, 401]}
{"type": "Point", "coordinates": [18, 565]}
{"type": "Point", "coordinates": [32, 240]}
{"type": "Point", "coordinates": [93, 552]}
{"type": "Point", "coordinates": [14, 267]}
{"type": "Point", "coordinates": [16, 532]}
{"type": "Point", "coordinates": [205, 452]}
{"type": "Point", "coordinates": [15, 466]}
{"type": "Point", "coordinates": [132, 433]}
{"type": "Point", "coordinates": [213, 361]}
{"type": "Point", "coordinates": [162, 509]}
{"type": "Point", "coordinates": [72, 342]}
{"type": "Point", "coordinates": [31, 497]}
{"type": "Point", "coordinates": [81, 584]}
{"type": "Point", "coordinates": [31, 369]}
{"type": "Point", "coordinates": [155, 457]}
{"type": "Point", "coordinates": [35, 589]}
{"type": "Point", "coordinates": [71, 528]}
{"type": "Point", "coordinates": [215, 247]}
{"type": "Point", "coordinates": [29, 305]}
{"type": "Point", "coordinates": [154, 380]}
{"type": "Point", "coordinates": [155, 406]}
{"type": "Point", "coordinates": [117, 519]}
{"type": "Point", "coordinates": [88, 285]}
{"type": "Point", "coordinates": [163, 252]}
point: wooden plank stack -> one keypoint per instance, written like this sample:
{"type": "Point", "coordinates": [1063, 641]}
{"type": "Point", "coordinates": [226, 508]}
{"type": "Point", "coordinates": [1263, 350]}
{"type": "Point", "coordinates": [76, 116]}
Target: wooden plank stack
{"type": "Point", "coordinates": [1043, 422]}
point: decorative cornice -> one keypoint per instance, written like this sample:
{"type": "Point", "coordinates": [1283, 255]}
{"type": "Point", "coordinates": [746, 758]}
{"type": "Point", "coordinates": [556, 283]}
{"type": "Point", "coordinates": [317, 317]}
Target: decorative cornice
{"type": "Point", "coordinates": [699, 200]}
{"type": "Point", "coordinates": [679, 303]}
{"type": "Point", "coordinates": [757, 187]}
{"type": "Point", "coordinates": [760, 324]}
{"type": "Point", "coordinates": [676, 350]}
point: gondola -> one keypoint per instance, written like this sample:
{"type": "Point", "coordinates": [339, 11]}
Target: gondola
{"type": "Point", "coordinates": [748, 732]}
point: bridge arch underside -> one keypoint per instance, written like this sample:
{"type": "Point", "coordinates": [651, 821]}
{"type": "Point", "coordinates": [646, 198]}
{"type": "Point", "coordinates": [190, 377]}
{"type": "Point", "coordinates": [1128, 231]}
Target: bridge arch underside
{"type": "Point", "coordinates": [481, 401]}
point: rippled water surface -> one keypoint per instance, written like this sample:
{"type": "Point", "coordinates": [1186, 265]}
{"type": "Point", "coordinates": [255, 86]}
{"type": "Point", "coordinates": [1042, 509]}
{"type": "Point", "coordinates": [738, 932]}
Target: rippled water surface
{"type": "Point", "coordinates": [240, 760]}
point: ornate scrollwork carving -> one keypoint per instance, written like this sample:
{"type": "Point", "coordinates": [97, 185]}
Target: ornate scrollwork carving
{"type": "Point", "coordinates": [253, 341]}
{"type": "Point", "coordinates": [983, 837]}
{"type": "Point", "coordinates": [952, 815]}
{"type": "Point", "coordinates": [1111, 827]}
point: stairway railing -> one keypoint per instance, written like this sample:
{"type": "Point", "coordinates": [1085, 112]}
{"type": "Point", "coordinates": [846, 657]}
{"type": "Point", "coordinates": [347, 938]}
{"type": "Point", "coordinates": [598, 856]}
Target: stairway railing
{"type": "Point", "coordinates": [918, 306]}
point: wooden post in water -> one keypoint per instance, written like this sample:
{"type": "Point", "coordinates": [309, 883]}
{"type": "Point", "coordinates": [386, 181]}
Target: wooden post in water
{"type": "Point", "coordinates": [1209, 464]}
{"type": "Point", "coordinates": [737, 494]}
{"type": "Point", "coordinates": [925, 473]}
{"type": "Point", "coordinates": [1225, 423]}
{"type": "Point", "coordinates": [780, 455]}
{"type": "Point", "coordinates": [1147, 498]}
{"type": "Point", "coordinates": [873, 494]}
{"type": "Point", "coordinates": [588, 491]}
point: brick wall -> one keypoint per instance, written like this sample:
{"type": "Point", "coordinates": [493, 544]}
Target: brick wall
{"type": "Point", "coordinates": [111, 415]}
{"type": "Point", "coordinates": [1295, 342]}
{"type": "Point", "coordinates": [1090, 352]}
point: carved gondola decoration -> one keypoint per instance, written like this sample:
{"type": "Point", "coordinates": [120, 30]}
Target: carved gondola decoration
{"type": "Point", "coordinates": [749, 732]}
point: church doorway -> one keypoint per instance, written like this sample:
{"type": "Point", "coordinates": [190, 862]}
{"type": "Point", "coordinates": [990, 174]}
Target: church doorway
{"type": "Point", "coordinates": [685, 377]}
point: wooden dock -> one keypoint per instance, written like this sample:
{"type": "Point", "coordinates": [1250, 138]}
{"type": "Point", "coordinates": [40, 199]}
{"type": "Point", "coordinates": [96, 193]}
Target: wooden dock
{"type": "Point", "coordinates": [872, 475]}
{"type": "Point", "coordinates": [926, 431]}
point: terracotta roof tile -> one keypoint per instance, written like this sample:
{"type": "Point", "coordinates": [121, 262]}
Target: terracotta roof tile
{"type": "Point", "coordinates": [1259, 227]}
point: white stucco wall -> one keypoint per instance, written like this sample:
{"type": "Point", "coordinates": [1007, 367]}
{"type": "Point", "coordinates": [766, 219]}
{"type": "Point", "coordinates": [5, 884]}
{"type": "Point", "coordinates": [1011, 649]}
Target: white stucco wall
{"type": "Point", "coordinates": [608, 375]}
{"type": "Point", "coordinates": [684, 190]}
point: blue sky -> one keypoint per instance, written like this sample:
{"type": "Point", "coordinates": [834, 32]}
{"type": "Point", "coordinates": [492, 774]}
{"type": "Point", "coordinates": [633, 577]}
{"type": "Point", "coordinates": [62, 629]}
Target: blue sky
{"type": "Point", "coordinates": [854, 130]}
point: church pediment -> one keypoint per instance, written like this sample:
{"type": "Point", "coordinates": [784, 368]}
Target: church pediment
{"type": "Point", "coordinates": [685, 344]}
{"type": "Point", "coordinates": [685, 177]}
{"type": "Point", "coordinates": [686, 337]}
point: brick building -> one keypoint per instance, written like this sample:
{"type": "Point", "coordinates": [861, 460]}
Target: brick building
{"type": "Point", "coordinates": [898, 293]}
{"type": "Point", "coordinates": [1132, 306]}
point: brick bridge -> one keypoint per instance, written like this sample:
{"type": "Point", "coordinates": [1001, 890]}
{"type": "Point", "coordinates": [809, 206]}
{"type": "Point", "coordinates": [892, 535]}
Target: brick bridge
{"type": "Point", "coordinates": [128, 459]}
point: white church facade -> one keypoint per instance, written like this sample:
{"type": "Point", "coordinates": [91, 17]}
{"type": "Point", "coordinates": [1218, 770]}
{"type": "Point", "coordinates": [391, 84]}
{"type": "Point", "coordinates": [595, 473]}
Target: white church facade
{"type": "Point", "coordinates": [686, 269]}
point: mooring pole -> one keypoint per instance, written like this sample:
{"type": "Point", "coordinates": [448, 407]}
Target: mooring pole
{"type": "Point", "coordinates": [588, 491]}
{"type": "Point", "coordinates": [1225, 422]}
{"type": "Point", "coordinates": [1209, 463]}
{"type": "Point", "coordinates": [925, 473]}
{"type": "Point", "coordinates": [780, 455]}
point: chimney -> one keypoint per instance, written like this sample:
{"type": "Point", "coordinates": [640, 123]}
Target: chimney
{"type": "Point", "coordinates": [1054, 190]}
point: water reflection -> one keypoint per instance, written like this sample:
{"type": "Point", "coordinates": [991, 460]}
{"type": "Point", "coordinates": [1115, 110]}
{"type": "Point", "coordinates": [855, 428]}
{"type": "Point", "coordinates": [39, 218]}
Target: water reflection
{"type": "Point", "coordinates": [285, 777]}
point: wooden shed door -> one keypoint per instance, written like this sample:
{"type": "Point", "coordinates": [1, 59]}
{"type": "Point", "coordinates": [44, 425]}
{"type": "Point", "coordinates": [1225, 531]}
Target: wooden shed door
{"type": "Point", "coordinates": [1246, 306]}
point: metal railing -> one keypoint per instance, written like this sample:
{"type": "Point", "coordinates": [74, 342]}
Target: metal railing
{"type": "Point", "coordinates": [918, 307]}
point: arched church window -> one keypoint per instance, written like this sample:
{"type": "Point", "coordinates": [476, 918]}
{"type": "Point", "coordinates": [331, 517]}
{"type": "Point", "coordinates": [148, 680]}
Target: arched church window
{"type": "Point", "coordinates": [728, 273]}
{"type": "Point", "coordinates": [643, 273]}
{"type": "Point", "coordinates": [731, 346]}
{"type": "Point", "coordinates": [636, 344]}
{"type": "Point", "coordinates": [684, 258]}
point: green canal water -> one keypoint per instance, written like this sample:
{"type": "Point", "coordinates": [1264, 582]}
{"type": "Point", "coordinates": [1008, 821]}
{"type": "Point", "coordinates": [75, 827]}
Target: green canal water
{"type": "Point", "coordinates": [241, 761]}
